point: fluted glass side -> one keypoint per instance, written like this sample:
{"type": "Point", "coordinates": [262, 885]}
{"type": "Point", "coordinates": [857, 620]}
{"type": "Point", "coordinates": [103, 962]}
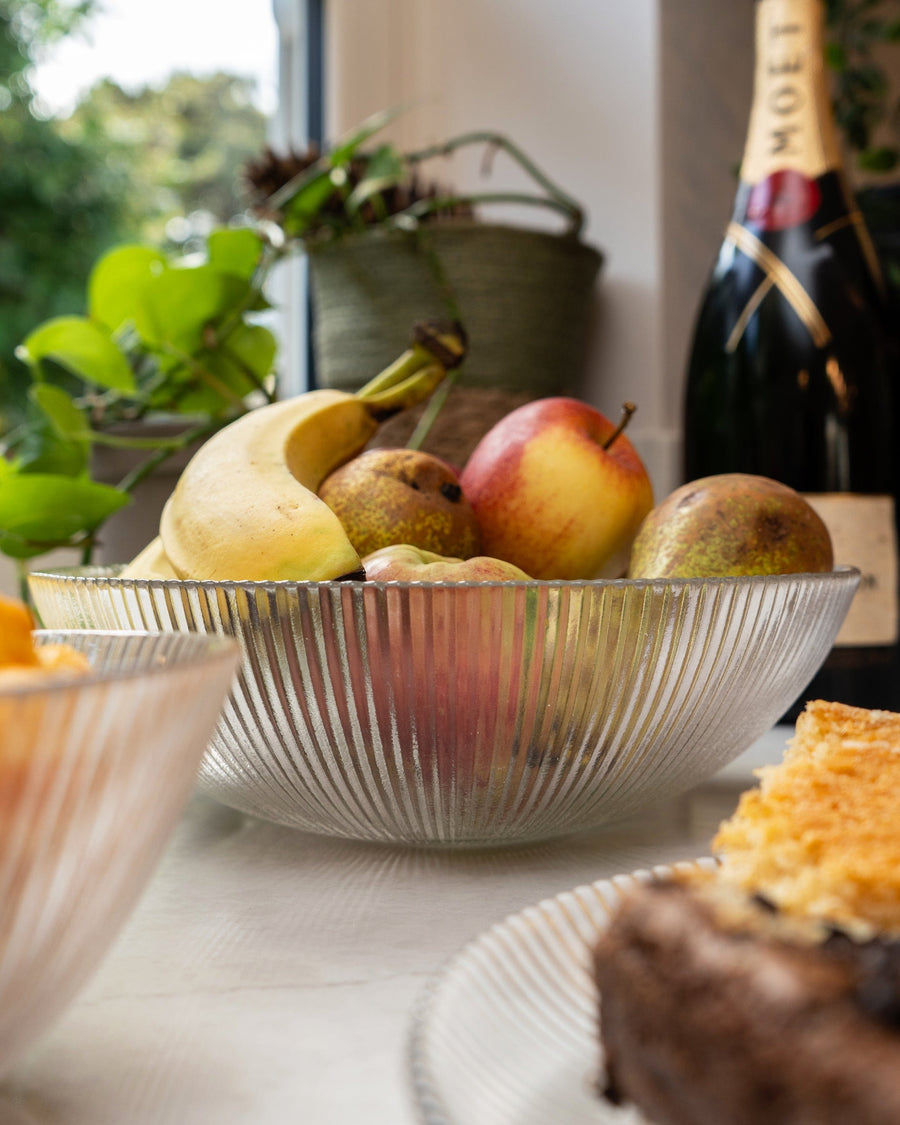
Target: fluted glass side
{"type": "Point", "coordinates": [507, 1032]}
{"type": "Point", "coordinates": [93, 774]}
{"type": "Point", "coordinates": [476, 713]}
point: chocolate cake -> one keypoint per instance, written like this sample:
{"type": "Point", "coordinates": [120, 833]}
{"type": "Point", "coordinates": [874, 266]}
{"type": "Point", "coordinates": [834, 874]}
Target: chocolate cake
{"type": "Point", "coordinates": [768, 990]}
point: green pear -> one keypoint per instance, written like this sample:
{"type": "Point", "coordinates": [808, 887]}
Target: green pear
{"type": "Point", "coordinates": [731, 524]}
{"type": "Point", "coordinates": [385, 497]}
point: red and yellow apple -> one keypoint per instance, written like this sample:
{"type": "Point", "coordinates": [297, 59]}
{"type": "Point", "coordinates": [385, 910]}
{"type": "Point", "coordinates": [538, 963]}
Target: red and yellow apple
{"type": "Point", "coordinates": [388, 496]}
{"type": "Point", "coordinates": [439, 682]}
{"type": "Point", "coordinates": [403, 562]}
{"type": "Point", "coordinates": [558, 490]}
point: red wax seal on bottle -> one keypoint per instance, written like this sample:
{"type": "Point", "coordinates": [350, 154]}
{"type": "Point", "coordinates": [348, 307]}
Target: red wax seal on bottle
{"type": "Point", "coordinates": [784, 199]}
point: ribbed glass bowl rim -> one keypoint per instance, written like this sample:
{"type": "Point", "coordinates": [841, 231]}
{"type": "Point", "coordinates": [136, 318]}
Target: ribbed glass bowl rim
{"type": "Point", "coordinates": [202, 648]}
{"type": "Point", "coordinates": [100, 575]}
{"type": "Point", "coordinates": [605, 894]}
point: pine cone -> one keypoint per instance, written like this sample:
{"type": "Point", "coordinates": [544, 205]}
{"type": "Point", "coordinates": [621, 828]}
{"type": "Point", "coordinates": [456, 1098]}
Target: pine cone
{"type": "Point", "coordinates": [270, 171]}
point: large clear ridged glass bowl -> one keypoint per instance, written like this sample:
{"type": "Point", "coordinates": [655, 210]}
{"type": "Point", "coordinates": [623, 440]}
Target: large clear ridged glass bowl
{"type": "Point", "coordinates": [94, 772]}
{"type": "Point", "coordinates": [481, 713]}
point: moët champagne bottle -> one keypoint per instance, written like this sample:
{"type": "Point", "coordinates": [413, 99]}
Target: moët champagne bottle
{"type": "Point", "coordinates": [791, 372]}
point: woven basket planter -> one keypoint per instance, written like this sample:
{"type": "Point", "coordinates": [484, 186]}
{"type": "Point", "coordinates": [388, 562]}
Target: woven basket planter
{"type": "Point", "coordinates": [524, 296]}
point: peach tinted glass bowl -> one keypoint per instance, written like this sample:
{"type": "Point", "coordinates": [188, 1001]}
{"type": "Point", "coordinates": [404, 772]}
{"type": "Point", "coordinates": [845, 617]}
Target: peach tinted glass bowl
{"type": "Point", "coordinates": [473, 714]}
{"type": "Point", "coordinates": [94, 772]}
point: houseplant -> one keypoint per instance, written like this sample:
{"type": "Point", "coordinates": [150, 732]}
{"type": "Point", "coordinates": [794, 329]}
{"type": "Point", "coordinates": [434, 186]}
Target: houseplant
{"type": "Point", "coordinates": [867, 111]}
{"type": "Point", "coordinates": [865, 100]}
{"type": "Point", "coordinates": [168, 352]}
{"type": "Point", "coordinates": [385, 250]}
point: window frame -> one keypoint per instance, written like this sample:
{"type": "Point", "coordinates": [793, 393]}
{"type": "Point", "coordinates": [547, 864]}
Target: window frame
{"type": "Point", "coordinates": [298, 122]}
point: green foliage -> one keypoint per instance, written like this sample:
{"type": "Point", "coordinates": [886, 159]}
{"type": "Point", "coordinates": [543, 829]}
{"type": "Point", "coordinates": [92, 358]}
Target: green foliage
{"type": "Point", "coordinates": [183, 146]}
{"type": "Point", "coordinates": [347, 189]}
{"type": "Point", "coordinates": [118, 169]}
{"type": "Point", "coordinates": [60, 205]}
{"type": "Point", "coordinates": [153, 334]}
{"type": "Point", "coordinates": [161, 335]}
{"type": "Point", "coordinates": [181, 336]}
{"type": "Point", "coordinates": [40, 511]}
{"type": "Point", "coordinates": [864, 100]}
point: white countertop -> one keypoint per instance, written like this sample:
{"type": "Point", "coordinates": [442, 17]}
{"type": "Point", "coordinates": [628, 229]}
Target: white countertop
{"type": "Point", "coordinates": [268, 976]}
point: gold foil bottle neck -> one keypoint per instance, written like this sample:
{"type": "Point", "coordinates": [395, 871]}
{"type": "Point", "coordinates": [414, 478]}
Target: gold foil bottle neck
{"type": "Point", "coordinates": [791, 126]}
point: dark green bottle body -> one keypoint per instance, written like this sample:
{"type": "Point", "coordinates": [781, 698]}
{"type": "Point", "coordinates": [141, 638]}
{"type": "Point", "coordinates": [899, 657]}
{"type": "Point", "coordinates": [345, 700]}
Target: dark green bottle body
{"type": "Point", "coordinates": [792, 376]}
{"type": "Point", "coordinates": [764, 395]}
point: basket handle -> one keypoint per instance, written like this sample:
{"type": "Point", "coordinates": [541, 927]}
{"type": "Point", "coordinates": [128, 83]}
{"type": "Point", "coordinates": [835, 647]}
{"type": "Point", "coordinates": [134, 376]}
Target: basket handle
{"type": "Point", "coordinates": [555, 198]}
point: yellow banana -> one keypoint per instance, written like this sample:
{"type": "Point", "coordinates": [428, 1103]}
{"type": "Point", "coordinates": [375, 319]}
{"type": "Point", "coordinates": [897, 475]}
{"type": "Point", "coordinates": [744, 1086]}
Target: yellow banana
{"type": "Point", "coordinates": [150, 563]}
{"type": "Point", "coordinates": [245, 507]}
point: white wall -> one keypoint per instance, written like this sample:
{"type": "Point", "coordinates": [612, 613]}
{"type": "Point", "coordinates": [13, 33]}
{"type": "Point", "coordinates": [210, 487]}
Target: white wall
{"type": "Point", "coordinates": [636, 107]}
{"type": "Point", "coordinates": [706, 65]}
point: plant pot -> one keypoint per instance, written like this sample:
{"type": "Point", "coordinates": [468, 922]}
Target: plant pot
{"type": "Point", "coordinates": [126, 533]}
{"type": "Point", "coordinates": [524, 297]}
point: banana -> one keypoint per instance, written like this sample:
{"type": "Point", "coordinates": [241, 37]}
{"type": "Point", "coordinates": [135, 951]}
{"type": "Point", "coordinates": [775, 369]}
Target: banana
{"type": "Point", "coordinates": [150, 563]}
{"type": "Point", "coordinates": [245, 507]}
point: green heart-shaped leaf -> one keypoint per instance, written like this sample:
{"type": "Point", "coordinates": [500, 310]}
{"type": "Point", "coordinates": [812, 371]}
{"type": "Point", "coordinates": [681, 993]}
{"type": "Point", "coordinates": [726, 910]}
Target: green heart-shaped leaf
{"type": "Point", "coordinates": [385, 170]}
{"type": "Point", "coordinates": [82, 347]}
{"type": "Point", "coordinates": [242, 362]}
{"type": "Point", "coordinates": [235, 251]}
{"type": "Point", "coordinates": [65, 417]}
{"type": "Point", "coordinates": [118, 284]}
{"type": "Point", "coordinates": [43, 508]}
{"type": "Point", "coordinates": [183, 302]}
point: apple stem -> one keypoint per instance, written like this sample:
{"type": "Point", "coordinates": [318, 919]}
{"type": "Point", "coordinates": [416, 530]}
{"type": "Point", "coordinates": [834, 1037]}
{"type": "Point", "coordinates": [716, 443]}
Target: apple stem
{"type": "Point", "coordinates": [628, 408]}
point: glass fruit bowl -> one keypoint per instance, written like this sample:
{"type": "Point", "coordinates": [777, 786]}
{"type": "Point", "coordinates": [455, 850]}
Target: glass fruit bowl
{"type": "Point", "coordinates": [478, 713]}
{"type": "Point", "coordinates": [94, 771]}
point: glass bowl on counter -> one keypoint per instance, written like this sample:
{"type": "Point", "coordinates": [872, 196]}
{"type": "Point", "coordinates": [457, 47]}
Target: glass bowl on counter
{"type": "Point", "coordinates": [471, 714]}
{"type": "Point", "coordinates": [95, 769]}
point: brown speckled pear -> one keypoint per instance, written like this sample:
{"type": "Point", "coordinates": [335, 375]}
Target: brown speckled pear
{"type": "Point", "coordinates": [731, 524]}
{"type": "Point", "coordinates": [389, 496]}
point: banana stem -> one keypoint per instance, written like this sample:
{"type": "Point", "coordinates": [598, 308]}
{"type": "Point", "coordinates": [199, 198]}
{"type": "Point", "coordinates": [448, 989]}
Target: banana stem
{"type": "Point", "coordinates": [408, 392]}
{"type": "Point", "coordinates": [401, 369]}
{"type": "Point", "coordinates": [412, 377]}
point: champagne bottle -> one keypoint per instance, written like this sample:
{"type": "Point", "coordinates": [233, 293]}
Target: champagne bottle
{"type": "Point", "coordinates": [793, 359]}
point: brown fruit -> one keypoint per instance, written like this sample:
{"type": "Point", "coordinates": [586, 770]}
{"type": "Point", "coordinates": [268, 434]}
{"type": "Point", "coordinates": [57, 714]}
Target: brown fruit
{"type": "Point", "coordinates": [388, 496]}
{"type": "Point", "coordinates": [731, 524]}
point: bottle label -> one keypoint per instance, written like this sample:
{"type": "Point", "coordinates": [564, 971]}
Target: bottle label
{"type": "Point", "coordinates": [775, 273]}
{"type": "Point", "coordinates": [783, 200]}
{"type": "Point", "coordinates": [790, 123]}
{"type": "Point", "coordinates": [863, 535]}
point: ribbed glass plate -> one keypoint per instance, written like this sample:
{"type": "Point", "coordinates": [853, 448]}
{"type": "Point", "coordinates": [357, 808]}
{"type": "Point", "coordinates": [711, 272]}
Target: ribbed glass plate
{"type": "Point", "coordinates": [471, 714]}
{"type": "Point", "coordinates": [94, 772]}
{"type": "Point", "coordinates": [508, 1032]}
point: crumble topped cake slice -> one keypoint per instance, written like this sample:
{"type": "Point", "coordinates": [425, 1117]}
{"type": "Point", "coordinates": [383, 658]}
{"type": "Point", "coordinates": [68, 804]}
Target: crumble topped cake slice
{"type": "Point", "coordinates": [768, 990]}
{"type": "Point", "coordinates": [820, 837]}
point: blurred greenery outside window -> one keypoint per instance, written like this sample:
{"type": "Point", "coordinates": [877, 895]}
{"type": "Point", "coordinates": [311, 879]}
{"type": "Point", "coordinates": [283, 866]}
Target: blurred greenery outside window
{"type": "Point", "coordinates": [158, 165]}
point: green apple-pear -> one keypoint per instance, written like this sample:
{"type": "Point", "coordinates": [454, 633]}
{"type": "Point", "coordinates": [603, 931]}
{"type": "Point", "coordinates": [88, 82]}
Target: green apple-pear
{"type": "Point", "coordinates": [388, 496]}
{"type": "Point", "coordinates": [731, 524]}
